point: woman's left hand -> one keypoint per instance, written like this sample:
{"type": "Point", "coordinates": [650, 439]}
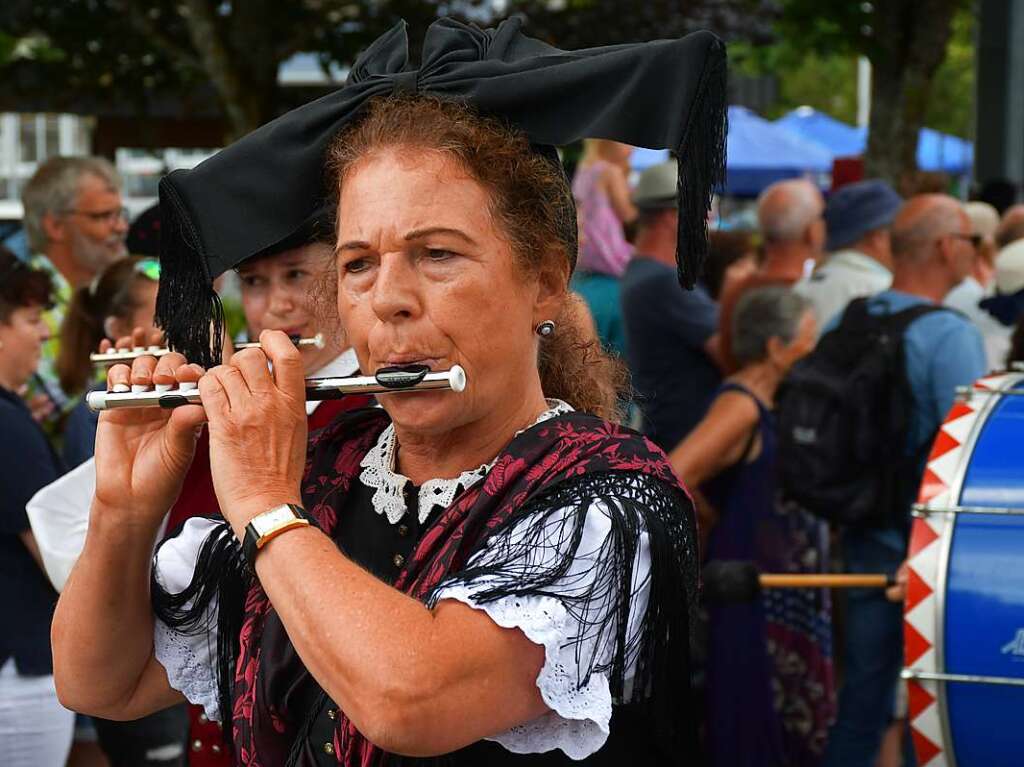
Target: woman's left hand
{"type": "Point", "coordinates": [257, 423]}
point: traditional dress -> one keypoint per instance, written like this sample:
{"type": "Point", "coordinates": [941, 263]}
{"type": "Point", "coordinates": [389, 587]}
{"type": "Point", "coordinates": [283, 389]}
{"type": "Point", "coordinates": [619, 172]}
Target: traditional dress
{"type": "Point", "coordinates": [578, 534]}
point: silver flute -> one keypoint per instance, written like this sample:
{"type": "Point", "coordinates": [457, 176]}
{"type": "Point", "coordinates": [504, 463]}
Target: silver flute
{"type": "Point", "coordinates": [391, 380]}
{"type": "Point", "coordinates": [127, 355]}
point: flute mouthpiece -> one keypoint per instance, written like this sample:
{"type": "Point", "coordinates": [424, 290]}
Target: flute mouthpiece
{"type": "Point", "coordinates": [318, 340]}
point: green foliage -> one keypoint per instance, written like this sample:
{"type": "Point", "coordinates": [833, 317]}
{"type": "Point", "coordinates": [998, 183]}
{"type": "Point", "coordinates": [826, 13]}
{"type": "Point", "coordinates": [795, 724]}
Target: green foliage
{"type": "Point", "coordinates": [951, 105]}
{"type": "Point", "coordinates": [814, 57]}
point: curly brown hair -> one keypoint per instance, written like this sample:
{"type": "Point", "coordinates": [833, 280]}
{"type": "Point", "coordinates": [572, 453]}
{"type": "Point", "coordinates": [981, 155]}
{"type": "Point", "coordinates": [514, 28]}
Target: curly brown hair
{"type": "Point", "coordinates": [531, 204]}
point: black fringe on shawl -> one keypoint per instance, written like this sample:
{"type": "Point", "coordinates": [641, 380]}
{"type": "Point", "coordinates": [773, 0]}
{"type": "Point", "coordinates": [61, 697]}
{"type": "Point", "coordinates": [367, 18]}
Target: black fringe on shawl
{"type": "Point", "coordinates": [188, 309]}
{"type": "Point", "coordinates": [221, 573]}
{"type": "Point", "coordinates": [636, 503]}
{"type": "Point", "coordinates": [701, 164]}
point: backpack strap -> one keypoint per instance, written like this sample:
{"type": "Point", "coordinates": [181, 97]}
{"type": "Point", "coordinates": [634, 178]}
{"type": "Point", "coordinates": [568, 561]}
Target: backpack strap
{"type": "Point", "coordinates": [857, 315]}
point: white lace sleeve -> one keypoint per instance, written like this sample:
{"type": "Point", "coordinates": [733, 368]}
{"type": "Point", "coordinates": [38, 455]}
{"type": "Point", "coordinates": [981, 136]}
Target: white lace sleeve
{"type": "Point", "coordinates": [189, 659]}
{"type": "Point", "coordinates": [571, 682]}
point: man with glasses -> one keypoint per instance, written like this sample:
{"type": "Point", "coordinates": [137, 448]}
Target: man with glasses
{"type": "Point", "coordinates": [76, 226]}
{"type": "Point", "coordinates": [933, 251]}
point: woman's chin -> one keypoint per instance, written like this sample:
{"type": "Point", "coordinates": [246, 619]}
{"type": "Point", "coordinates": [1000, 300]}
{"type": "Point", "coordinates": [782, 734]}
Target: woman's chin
{"type": "Point", "coordinates": [425, 411]}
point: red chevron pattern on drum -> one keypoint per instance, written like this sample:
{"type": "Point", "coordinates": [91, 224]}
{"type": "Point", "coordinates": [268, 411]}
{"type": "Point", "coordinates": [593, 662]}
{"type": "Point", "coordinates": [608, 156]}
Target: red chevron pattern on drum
{"type": "Point", "coordinates": [926, 539]}
{"type": "Point", "coordinates": [920, 618]}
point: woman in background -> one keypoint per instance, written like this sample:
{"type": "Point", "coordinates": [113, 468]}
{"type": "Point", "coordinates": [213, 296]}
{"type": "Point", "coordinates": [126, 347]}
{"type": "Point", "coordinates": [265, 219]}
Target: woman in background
{"type": "Point", "coordinates": [34, 728]}
{"type": "Point", "coordinates": [601, 189]}
{"type": "Point", "coordinates": [122, 297]}
{"type": "Point", "coordinates": [769, 675]}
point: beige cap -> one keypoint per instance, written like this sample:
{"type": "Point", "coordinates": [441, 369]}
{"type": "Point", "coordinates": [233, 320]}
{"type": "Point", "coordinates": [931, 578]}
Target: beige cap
{"type": "Point", "coordinates": [1010, 268]}
{"type": "Point", "coordinates": [657, 186]}
{"type": "Point", "coordinates": [984, 218]}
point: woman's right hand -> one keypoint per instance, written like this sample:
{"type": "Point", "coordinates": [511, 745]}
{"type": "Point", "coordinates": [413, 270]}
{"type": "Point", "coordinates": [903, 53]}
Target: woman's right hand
{"type": "Point", "coordinates": [143, 454]}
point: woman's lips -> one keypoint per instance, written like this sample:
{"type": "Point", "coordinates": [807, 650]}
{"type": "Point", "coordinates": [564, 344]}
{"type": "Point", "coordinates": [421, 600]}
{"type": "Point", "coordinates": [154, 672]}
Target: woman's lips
{"type": "Point", "coordinates": [411, 359]}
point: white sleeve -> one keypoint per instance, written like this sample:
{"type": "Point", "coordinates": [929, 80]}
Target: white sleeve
{"type": "Point", "coordinates": [189, 659]}
{"type": "Point", "coordinates": [578, 696]}
{"type": "Point", "coordinates": [59, 516]}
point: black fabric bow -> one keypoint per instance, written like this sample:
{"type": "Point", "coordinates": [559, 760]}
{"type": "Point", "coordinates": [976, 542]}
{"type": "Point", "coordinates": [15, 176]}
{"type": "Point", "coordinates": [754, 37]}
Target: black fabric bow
{"type": "Point", "coordinates": [261, 191]}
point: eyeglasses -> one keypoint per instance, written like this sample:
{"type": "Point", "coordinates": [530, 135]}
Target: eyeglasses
{"type": "Point", "coordinates": [148, 268]}
{"type": "Point", "coordinates": [105, 216]}
{"type": "Point", "coordinates": [974, 239]}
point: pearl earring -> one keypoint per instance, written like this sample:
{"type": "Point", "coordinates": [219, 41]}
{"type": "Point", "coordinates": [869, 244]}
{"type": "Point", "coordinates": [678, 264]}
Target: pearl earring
{"type": "Point", "coordinates": [545, 329]}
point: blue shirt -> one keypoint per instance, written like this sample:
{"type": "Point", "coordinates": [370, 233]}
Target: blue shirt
{"type": "Point", "coordinates": [27, 463]}
{"type": "Point", "coordinates": [666, 331]}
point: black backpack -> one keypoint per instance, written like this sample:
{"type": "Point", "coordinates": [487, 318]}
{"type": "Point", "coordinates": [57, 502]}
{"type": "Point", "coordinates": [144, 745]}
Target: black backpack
{"type": "Point", "coordinates": [843, 413]}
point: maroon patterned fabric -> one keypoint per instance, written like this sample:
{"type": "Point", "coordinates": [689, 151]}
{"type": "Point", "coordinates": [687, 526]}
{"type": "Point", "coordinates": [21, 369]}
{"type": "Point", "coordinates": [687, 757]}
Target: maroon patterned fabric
{"type": "Point", "coordinates": [551, 452]}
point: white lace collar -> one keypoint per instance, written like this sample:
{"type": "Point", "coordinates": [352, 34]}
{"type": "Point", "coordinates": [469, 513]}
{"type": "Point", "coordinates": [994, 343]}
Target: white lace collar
{"type": "Point", "coordinates": [389, 486]}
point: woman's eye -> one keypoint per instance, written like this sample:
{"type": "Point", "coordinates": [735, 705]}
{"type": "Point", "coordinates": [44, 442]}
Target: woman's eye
{"type": "Point", "coordinates": [251, 281]}
{"type": "Point", "coordinates": [356, 265]}
{"type": "Point", "coordinates": [295, 274]}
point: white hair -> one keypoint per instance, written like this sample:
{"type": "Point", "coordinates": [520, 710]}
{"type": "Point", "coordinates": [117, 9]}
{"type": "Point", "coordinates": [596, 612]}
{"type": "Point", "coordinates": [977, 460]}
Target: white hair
{"type": "Point", "coordinates": [786, 208]}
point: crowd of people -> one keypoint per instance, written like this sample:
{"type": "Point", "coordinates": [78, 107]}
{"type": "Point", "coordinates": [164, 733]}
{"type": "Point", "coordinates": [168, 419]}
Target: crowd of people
{"type": "Point", "coordinates": [706, 368]}
{"type": "Point", "coordinates": [524, 505]}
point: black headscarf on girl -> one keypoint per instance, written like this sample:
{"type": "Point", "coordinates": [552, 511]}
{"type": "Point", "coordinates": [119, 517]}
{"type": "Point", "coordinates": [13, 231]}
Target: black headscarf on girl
{"type": "Point", "coordinates": [264, 190]}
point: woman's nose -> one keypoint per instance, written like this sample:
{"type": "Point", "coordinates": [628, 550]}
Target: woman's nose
{"type": "Point", "coordinates": [395, 291]}
{"type": "Point", "coordinates": [282, 300]}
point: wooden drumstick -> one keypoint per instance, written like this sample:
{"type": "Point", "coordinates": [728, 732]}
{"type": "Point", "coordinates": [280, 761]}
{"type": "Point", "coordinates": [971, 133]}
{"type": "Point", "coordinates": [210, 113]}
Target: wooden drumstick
{"type": "Point", "coordinates": [731, 581]}
{"type": "Point", "coordinates": [825, 581]}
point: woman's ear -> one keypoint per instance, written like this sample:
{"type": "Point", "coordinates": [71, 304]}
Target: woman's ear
{"type": "Point", "coordinates": [553, 286]}
{"type": "Point", "coordinates": [777, 352]}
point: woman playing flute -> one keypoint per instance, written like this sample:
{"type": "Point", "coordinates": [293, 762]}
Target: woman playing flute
{"type": "Point", "coordinates": [499, 576]}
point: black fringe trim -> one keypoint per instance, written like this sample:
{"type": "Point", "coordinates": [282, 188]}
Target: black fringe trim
{"type": "Point", "coordinates": [188, 309]}
{"type": "Point", "coordinates": [636, 503]}
{"type": "Point", "coordinates": [701, 164]}
{"type": "Point", "coordinates": [221, 572]}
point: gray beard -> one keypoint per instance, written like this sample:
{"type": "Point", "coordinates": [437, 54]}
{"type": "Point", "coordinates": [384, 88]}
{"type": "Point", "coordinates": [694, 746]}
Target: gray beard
{"type": "Point", "coordinates": [96, 256]}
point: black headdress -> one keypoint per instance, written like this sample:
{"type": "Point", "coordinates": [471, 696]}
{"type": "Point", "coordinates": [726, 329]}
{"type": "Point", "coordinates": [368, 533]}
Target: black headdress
{"type": "Point", "coordinates": [264, 189]}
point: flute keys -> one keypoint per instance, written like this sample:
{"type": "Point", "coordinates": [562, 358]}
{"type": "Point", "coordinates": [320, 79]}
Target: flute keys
{"type": "Point", "coordinates": [121, 388]}
{"type": "Point", "coordinates": [188, 386]}
{"type": "Point", "coordinates": [161, 388]}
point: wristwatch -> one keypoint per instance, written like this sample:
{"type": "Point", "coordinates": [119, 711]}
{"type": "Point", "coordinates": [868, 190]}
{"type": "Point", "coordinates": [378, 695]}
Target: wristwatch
{"type": "Point", "coordinates": [264, 527]}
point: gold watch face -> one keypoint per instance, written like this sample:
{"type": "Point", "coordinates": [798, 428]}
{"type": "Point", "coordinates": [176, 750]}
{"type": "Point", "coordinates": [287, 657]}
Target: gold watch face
{"type": "Point", "coordinates": [269, 520]}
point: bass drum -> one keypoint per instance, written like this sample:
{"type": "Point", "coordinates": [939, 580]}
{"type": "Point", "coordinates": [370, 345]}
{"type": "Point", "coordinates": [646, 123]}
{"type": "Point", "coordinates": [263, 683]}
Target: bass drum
{"type": "Point", "coordinates": [964, 620]}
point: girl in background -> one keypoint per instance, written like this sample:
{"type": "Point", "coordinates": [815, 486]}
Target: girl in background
{"type": "Point", "coordinates": [122, 297]}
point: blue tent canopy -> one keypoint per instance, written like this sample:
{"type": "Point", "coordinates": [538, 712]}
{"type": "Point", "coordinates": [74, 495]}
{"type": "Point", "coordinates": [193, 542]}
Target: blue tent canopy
{"type": "Point", "coordinates": [935, 151]}
{"type": "Point", "coordinates": [837, 137]}
{"type": "Point", "coordinates": [761, 153]}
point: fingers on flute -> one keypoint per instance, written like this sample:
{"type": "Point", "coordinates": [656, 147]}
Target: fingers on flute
{"type": "Point", "coordinates": [165, 372]}
{"type": "Point", "coordinates": [253, 365]}
{"type": "Point", "coordinates": [119, 378]}
{"type": "Point", "coordinates": [142, 371]}
{"type": "Point", "coordinates": [289, 374]}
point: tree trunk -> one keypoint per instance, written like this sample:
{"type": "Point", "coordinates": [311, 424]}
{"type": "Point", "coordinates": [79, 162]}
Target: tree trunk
{"type": "Point", "coordinates": [910, 39]}
{"type": "Point", "coordinates": [242, 62]}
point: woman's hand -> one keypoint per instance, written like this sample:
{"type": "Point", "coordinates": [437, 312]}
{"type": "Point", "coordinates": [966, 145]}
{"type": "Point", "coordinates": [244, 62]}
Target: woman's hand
{"type": "Point", "coordinates": [142, 455]}
{"type": "Point", "coordinates": [257, 422]}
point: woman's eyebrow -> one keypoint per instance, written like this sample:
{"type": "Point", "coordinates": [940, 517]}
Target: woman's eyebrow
{"type": "Point", "coordinates": [417, 234]}
{"type": "Point", "coordinates": [352, 245]}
